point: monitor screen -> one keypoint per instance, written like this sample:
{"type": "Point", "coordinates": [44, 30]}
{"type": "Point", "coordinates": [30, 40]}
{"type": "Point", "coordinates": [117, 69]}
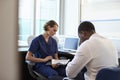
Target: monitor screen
{"type": "Point", "coordinates": [71, 43]}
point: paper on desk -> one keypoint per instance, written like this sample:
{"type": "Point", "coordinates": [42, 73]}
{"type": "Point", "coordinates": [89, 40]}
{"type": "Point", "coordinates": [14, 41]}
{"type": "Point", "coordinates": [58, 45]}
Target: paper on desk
{"type": "Point", "coordinates": [73, 53]}
{"type": "Point", "coordinates": [60, 62]}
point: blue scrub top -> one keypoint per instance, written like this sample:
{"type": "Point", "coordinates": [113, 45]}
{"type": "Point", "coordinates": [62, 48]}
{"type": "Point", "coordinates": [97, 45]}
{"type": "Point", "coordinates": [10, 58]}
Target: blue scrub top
{"type": "Point", "coordinates": [41, 49]}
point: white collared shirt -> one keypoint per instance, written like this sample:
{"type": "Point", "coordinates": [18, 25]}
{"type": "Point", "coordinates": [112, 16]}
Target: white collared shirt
{"type": "Point", "coordinates": [95, 53]}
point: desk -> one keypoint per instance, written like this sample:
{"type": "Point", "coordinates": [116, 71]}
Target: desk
{"type": "Point", "coordinates": [65, 54]}
{"type": "Point", "coordinates": [69, 55]}
{"type": "Point", "coordinates": [23, 49]}
{"type": "Point", "coordinates": [67, 51]}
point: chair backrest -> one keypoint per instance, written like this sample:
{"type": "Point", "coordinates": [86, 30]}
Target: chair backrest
{"type": "Point", "coordinates": [109, 74]}
{"type": "Point", "coordinates": [30, 38]}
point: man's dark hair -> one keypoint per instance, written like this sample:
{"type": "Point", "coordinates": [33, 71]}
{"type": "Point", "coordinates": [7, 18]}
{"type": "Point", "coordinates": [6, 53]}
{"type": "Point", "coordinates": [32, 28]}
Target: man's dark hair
{"type": "Point", "coordinates": [86, 26]}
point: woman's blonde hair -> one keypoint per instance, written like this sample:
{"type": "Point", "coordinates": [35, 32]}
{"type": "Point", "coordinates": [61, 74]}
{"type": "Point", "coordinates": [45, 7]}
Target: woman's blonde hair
{"type": "Point", "coordinates": [50, 23]}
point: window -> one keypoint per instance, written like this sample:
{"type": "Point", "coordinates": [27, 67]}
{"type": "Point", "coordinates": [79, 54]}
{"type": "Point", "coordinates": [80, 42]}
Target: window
{"type": "Point", "coordinates": [72, 17]}
{"type": "Point", "coordinates": [33, 14]}
{"type": "Point", "coordinates": [104, 14]}
{"type": "Point", "coordinates": [26, 8]}
{"type": "Point", "coordinates": [46, 10]}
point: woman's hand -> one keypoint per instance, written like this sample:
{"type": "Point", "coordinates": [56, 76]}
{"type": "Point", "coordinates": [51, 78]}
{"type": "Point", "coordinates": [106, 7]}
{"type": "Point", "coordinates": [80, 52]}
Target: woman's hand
{"type": "Point", "coordinates": [47, 58]}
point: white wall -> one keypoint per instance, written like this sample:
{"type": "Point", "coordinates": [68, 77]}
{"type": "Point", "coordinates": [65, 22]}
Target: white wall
{"type": "Point", "coordinates": [8, 40]}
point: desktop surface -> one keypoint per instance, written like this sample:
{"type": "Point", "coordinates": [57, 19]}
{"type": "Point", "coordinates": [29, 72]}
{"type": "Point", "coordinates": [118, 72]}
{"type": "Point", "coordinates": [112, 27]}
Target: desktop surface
{"type": "Point", "coordinates": [23, 49]}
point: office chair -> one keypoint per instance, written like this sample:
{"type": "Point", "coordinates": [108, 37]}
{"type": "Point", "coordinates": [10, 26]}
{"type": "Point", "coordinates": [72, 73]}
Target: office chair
{"type": "Point", "coordinates": [30, 65]}
{"type": "Point", "coordinates": [33, 73]}
{"type": "Point", "coordinates": [109, 74]}
{"type": "Point", "coordinates": [30, 38]}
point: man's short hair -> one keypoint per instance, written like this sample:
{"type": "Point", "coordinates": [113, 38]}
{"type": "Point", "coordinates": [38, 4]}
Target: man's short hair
{"type": "Point", "coordinates": [86, 26]}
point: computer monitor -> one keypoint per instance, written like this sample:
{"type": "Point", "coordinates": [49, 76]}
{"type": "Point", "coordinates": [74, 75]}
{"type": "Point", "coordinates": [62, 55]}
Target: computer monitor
{"type": "Point", "coordinates": [71, 43]}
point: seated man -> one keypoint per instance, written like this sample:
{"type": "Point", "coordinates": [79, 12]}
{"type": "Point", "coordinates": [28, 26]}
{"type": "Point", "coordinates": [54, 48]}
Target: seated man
{"type": "Point", "coordinates": [95, 52]}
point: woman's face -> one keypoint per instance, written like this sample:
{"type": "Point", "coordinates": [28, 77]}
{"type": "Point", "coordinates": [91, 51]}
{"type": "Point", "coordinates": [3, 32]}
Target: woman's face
{"type": "Point", "coordinates": [52, 30]}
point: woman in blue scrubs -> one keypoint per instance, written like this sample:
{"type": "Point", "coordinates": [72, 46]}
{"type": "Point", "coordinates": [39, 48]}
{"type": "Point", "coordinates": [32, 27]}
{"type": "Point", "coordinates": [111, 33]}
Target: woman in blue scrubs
{"type": "Point", "coordinates": [44, 48]}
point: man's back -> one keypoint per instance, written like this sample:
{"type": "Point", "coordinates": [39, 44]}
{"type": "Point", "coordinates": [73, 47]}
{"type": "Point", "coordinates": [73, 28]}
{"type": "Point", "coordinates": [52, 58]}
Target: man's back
{"type": "Point", "coordinates": [95, 52]}
{"type": "Point", "coordinates": [103, 54]}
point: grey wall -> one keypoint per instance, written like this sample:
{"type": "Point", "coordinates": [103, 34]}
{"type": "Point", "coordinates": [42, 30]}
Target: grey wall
{"type": "Point", "coordinates": [9, 69]}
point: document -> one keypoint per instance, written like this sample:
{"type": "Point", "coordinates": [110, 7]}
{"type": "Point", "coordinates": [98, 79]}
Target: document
{"type": "Point", "coordinates": [73, 53]}
{"type": "Point", "coordinates": [60, 62]}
